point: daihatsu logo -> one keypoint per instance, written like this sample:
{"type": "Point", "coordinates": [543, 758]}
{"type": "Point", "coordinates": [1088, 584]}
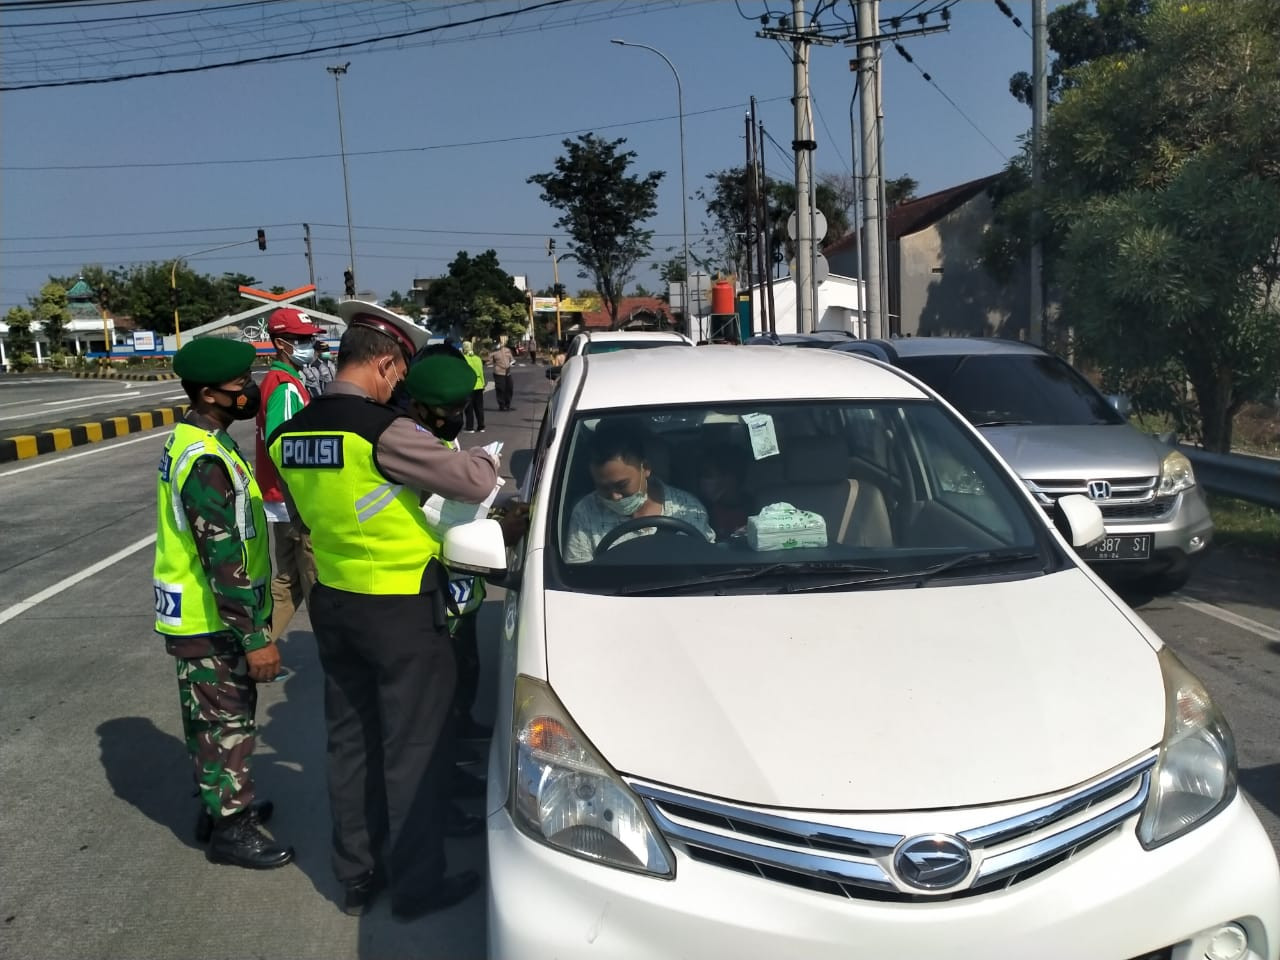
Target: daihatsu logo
{"type": "Point", "coordinates": [1099, 490]}
{"type": "Point", "coordinates": [933, 862]}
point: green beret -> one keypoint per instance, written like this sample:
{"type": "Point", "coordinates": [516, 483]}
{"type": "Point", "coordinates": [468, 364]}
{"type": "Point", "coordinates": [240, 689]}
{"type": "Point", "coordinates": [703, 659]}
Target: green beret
{"type": "Point", "coordinates": [214, 360]}
{"type": "Point", "coordinates": [440, 380]}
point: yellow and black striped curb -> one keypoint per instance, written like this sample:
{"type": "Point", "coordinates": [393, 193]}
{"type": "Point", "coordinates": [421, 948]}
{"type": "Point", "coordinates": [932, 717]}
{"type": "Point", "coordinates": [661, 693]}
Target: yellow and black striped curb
{"type": "Point", "coordinates": [26, 446]}
{"type": "Point", "coordinates": [113, 375]}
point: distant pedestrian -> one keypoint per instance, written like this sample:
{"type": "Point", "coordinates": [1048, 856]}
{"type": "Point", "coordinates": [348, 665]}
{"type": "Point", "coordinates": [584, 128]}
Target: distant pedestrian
{"type": "Point", "coordinates": [324, 366]}
{"type": "Point", "coordinates": [475, 403]}
{"type": "Point", "coordinates": [213, 607]}
{"type": "Point", "coordinates": [503, 360]}
{"type": "Point", "coordinates": [283, 396]}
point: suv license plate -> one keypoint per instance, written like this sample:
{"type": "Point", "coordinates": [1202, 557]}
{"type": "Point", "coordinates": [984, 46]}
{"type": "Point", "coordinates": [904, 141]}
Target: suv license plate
{"type": "Point", "coordinates": [1132, 547]}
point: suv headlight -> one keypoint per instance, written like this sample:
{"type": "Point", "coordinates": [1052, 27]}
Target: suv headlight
{"type": "Point", "coordinates": [1176, 474]}
{"type": "Point", "coordinates": [565, 795]}
{"type": "Point", "coordinates": [1195, 777]}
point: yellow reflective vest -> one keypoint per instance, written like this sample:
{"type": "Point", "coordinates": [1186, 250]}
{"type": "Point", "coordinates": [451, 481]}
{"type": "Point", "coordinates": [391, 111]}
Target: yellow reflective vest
{"type": "Point", "coordinates": [186, 605]}
{"type": "Point", "coordinates": [368, 532]}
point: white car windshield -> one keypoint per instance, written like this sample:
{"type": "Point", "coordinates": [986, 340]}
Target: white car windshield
{"type": "Point", "coordinates": [786, 495]}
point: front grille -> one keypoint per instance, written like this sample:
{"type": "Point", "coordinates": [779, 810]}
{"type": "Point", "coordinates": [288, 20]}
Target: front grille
{"type": "Point", "coordinates": [859, 864]}
{"type": "Point", "coordinates": [1130, 498]}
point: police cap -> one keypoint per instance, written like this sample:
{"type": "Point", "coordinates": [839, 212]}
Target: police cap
{"type": "Point", "coordinates": [440, 380]}
{"type": "Point", "coordinates": [214, 360]}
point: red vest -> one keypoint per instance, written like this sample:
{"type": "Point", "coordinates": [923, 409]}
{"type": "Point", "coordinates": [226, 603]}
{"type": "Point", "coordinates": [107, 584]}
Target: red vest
{"type": "Point", "coordinates": [264, 471]}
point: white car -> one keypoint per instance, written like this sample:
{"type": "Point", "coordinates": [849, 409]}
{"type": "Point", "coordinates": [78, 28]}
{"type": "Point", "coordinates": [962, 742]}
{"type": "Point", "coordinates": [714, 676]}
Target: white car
{"type": "Point", "coordinates": [897, 717]}
{"type": "Point", "coordinates": [610, 341]}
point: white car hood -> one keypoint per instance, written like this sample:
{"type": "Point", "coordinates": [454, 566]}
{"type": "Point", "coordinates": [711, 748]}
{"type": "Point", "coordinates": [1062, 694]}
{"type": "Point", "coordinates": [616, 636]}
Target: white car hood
{"type": "Point", "coordinates": [904, 699]}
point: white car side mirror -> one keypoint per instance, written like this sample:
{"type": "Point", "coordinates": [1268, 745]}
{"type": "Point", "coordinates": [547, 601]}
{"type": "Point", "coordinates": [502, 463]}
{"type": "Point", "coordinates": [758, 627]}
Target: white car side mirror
{"type": "Point", "coordinates": [1079, 520]}
{"type": "Point", "coordinates": [476, 547]}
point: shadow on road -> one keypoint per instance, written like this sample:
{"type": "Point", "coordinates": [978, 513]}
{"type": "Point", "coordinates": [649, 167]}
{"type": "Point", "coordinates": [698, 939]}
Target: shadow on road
{"type": "Point", "coordinates": [1263, 786]}
{"type": "Point", "coordinates": [149, 769]}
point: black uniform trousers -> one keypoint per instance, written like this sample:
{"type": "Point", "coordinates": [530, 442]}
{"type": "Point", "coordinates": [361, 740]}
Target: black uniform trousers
{"type": "Point", "coordinates": [466, 655]}
{"type": "Point", "coordinates": [389, 687]}
{"type": "Point", "coordinates": [503, 388]}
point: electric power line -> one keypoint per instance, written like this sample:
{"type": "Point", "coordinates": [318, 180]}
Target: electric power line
{"type": "Point", "coordinates": [235, 161]}
{"type": "Point", "coordinates": [906, 56]}
{"type": "Point", "coordinates": [328, 48]}
{"type": "Point", "coordinates": [135, 17]}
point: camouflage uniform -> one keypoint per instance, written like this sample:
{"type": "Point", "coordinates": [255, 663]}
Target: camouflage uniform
{"type": "Point", "coordinates": [217, 697]}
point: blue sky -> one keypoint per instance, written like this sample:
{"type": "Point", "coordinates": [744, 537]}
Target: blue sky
{"type": "Point", "coordinates": [435, 96]}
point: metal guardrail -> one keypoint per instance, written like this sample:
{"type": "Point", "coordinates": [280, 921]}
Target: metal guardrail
{"type": "Point", "coordinates": [1255, 479]}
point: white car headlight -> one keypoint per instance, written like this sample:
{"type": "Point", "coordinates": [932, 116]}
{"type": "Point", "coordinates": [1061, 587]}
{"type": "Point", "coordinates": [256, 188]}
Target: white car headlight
{"type": "Point", "coordinates": [1195, 777]}
{"type": "Point", "coordinates": [1176, 474]}
{"type": "Point", "coordinates": [565, 795]}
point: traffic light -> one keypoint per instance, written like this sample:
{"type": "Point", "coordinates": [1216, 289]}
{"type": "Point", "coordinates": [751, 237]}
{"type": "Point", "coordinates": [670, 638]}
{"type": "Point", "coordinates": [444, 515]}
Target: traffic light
{"type": "Point", "coordinates": [262, 239]}
{"type": "Point", "coordinates": [349, 282]}
{"type": "Point", "coordinates": [558, 290]}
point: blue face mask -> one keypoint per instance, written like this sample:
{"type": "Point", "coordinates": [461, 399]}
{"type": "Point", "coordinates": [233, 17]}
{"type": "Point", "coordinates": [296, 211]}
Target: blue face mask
{"type": "Point", "coordinates": [627, 506]}
{"type": "Point", "coordinates": [303, 354]}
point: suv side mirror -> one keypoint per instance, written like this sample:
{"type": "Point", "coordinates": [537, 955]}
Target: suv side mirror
{"type": "Point", "coordinates": [1078, 519]}
{"type": "Point", "coordinates": [1122, 404]}
{"type": "Point", "coordinates": [476, 547]}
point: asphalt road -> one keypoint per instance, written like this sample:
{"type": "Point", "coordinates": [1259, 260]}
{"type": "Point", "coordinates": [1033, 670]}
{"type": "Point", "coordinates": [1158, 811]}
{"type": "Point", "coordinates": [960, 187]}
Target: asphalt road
{"type": "Point", "coordinates": [95, 817]}
{"type": "Point", "coordinates": [30, 403]}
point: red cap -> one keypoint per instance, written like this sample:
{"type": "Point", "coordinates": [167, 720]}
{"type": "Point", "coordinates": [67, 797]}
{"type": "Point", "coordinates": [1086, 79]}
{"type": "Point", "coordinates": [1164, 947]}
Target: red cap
{"type": "Point", "coordinates": [293, 322]}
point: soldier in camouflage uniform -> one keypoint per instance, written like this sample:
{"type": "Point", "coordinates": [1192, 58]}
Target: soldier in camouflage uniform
{"type": "Point", "coordinates": [213, 602]}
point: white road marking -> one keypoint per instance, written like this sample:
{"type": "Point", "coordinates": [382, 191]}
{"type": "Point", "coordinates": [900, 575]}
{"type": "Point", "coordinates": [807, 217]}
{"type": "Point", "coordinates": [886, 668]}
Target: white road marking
{"type": "Point", "coordinates": [153, 435]}
{"type": "Point", "coordinates": [1228, 616]}
{"type": "Point", "coordinates": [89, 402]}
{"type": "Point", "coordinates": [23, 606]}
{"type": "Point", "coordinates": [91, 397]}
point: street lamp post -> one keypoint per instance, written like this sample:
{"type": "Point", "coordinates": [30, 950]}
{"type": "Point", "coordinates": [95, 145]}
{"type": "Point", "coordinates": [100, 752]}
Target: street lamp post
{"type": "Point", "coordinates": [338, 72]}
{"type": "Point", "coordinates": [684, 193]}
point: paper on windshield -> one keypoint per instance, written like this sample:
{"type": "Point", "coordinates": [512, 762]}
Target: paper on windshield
{"type": "Point", "coordinates": [764, 439]}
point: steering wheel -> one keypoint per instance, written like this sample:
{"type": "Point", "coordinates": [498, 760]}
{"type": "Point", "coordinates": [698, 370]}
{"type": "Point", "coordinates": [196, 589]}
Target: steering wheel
{"type": "Point", "coordinates": [660, 524]}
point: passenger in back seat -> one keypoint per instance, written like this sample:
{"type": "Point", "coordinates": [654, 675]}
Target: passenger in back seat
{"type": "Point", "coordinates": [721, 470]}
{"type": "Point", "coordinates": [624, 488]}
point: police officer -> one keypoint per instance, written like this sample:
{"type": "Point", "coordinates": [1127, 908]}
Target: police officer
{"type": "Point", "coordinates": [357, 470]}
{"type": "Point", "coordinates": [213, 604]}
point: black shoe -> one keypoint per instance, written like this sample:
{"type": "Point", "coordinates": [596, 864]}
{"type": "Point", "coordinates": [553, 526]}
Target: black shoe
{"type": "Point", "coordinates": [469, 729]}
{"type": "Point", "coordinates": [240, 842]}
{"type": "Point", "coordinates": [449, 891]}
{"type": "Point", "coordinates": [465, 785]}
{"type": "Point", "coordinates": [458, 824]}
{"type": "Point", "coordinates": [359, 893]}
{"type": "Point", "coordinates": [261, 810]}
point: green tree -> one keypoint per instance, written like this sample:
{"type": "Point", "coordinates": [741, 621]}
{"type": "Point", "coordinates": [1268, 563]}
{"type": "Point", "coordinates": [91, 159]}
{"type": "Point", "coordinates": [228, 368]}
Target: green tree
{"type": "Point", "coordinates": [50, 310]}
{"type": "Point", "coordinates": [899, 190]}
{"type": "Point", "coordinates": [491, 319]}
{"type": "Point", "coordinates": [327, 305]}
{"type": "Point", "coordinates": [463, 295]}
{"type": "Point", "coordinates": [1078, 35]}
{"type": "Point", "coordinates": [1164, 182]}
{"type": "Point", "coordinates": [602, 208]}
{"type": "Point", "coordinates": [20, 342]}
{"type": "Point", "coordinates": [394, 300]}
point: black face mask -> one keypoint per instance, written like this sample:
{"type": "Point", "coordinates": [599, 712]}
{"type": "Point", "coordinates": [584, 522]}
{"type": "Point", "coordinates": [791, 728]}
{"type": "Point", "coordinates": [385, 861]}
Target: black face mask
{"type": "Point", "coordinates": [446, 428]}
{"type": "Point", "coordinates": [244, 402]}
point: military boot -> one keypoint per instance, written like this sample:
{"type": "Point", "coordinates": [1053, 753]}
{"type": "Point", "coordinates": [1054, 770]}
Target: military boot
{"type": "Point", "coordinates": [238, 840]}
{"type": "Point", "coordinates": [261, 809]}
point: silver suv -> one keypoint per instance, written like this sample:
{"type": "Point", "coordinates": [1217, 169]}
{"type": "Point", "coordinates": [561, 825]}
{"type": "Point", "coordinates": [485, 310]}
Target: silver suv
{"type": "Point", "coordinates": [1062, 436]}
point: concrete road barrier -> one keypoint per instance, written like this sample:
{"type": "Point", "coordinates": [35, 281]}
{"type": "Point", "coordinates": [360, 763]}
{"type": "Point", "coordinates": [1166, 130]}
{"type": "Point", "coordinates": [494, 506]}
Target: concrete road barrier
{"type": "Point", "coordinates": [26, 446]}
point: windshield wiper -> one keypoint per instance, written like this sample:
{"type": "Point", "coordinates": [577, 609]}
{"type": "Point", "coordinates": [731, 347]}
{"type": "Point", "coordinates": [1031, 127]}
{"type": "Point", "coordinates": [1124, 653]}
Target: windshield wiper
{"type": "Point", "coordinates": [977, 559]}
{"type": "Point", "coordinates": [1004, 423]}
{"type": "Point", "coordinates": [746, 574]}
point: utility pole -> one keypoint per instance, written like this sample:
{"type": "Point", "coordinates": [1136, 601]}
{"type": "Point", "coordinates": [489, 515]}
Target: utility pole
{"type": "Point", "coordinates": [868, 71]}
{"type": "Point", "coordinates": [338, 73]}
{"type": "Point", "coordinates": [311, 267]}
{"type": "Point", "coordinates": [859, 284]}
{"type": "Point", "coordinates": [1039, 106]}
{"type": "Point", "coordinates": [803, 145]}
{"type": "Point", "coordinates": [749, 244]}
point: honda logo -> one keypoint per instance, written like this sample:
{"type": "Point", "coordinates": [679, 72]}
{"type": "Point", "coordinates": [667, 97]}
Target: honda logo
{"type": "Point", "coordinates": [1099, 490]}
